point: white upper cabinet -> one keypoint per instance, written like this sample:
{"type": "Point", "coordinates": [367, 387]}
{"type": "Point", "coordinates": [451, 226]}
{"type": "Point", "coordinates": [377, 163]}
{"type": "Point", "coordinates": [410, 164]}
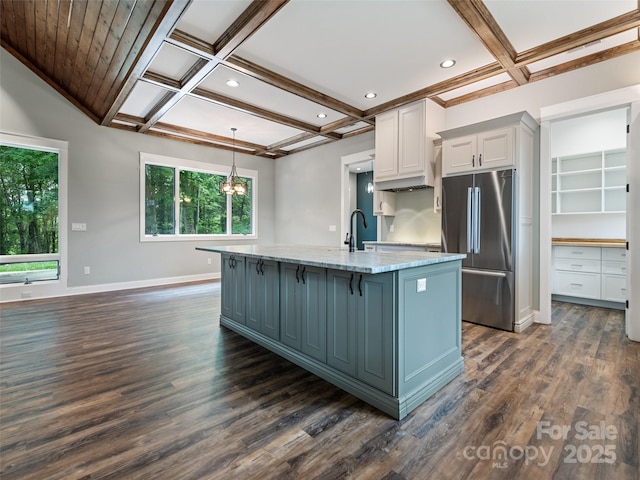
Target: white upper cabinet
{"type": "Point", "coordinates": [490, 145]}
{"type": "Point", "coordinates": [484, 151]}
{"type": "Point", "coordinates": [404, 145]}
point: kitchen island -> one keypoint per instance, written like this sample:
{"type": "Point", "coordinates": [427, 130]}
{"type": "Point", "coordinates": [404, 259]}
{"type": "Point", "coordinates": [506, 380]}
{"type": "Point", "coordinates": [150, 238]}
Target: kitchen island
{"type": "Point", "coordinates": [385, 327]}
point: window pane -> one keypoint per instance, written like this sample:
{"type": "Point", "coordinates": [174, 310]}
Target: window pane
{"type": "Point", "coordinates": [203, 209]}
{"type": "Point", "coordinates": [159, 209]}
{"type": "Point", "coordinates": [28, 201]}
{"type": "Point", "coordinates": [28, 272]}
{"type": "Point", "coordinates": [241, 211]}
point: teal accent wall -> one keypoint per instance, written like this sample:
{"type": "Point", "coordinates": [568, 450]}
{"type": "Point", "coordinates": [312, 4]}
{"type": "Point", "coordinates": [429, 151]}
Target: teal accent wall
{"type": "Point", "coordinates": [364, 201]}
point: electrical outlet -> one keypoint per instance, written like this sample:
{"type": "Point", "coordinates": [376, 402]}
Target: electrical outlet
{"type": "Point", "coordinates": [332, 228]}
{"type": "Point", "coordinates": [78, 227]}
{"type": "Point", "coordinates": [422, 285]}
{"type": "Point", "coordinates": [87, 270]}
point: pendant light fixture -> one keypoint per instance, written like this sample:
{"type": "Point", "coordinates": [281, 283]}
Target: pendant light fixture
{"type": "Point", "coordinates": [234, 185]}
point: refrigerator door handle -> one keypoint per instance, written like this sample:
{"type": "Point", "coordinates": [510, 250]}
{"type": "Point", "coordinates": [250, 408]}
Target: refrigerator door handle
{"type": "Point", "coordinates": [476, 246]}
{"type": "Point", "coordinates": [470, 225]}
{"type": "Point", "coordinates": [488, 273]}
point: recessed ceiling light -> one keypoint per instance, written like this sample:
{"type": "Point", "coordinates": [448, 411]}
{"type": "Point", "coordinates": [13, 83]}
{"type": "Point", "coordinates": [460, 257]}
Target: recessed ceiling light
{"type": "Point", "coordinates": [322, 115]}
{"type": "Point", "coordinates": [370, 95]}
{"type": "Point", "coordinates": [232, 83]}
{"type": "Point", "coordinates": [448, 63]}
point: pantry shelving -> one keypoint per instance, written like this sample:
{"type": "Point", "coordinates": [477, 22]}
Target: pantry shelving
{"type": "Point", "coordinates": [589, 183]}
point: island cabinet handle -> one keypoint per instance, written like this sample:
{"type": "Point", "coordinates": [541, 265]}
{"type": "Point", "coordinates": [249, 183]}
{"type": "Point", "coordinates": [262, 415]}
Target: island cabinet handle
{"type": "Point", "coordinates": [350, 284]}
{"type": "Point", "coordinates": [262, 267]}
{"type": "Point", "coordinates": [360, 285]}
{"type": "Point", "coordinates": [304, 269]}
{"type": "Point", "coordinates": [297, 272]}
{"type": "Point", "coordinates": [258, 267]}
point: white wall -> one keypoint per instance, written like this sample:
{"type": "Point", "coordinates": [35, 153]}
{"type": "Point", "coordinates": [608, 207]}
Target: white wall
{"type": "Point", "coordinates": [104, 187]}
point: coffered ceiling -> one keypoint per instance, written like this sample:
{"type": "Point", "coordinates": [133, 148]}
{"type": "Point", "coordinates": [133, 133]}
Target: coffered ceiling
{"type": "Point", "coordinates": [161, 67]}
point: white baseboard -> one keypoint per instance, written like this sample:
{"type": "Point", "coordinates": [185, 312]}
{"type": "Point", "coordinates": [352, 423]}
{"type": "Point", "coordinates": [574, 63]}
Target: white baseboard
{"type": "Point", "coordinates": [109, 287]}
{"type": "Point", "coordinates": [523, 323]}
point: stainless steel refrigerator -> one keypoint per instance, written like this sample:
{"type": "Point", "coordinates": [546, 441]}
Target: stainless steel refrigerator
{"type": "Point", "coordinates": [478, 214]}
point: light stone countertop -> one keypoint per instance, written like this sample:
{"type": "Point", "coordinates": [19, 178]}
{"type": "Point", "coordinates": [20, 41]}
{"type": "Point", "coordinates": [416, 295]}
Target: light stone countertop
{"type": "Point", "coordinates": [338, 258]}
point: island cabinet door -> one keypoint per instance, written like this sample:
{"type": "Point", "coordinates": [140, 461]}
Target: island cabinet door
{"type": "Point", "coordinates": [313, 296]}
{"type": "Point", "coordinates": [303, 318]}
{"type": "Point", "coordinates": [232, 303]}
{"type": "Point", "coordinates": [341, 321]}
{"type": "Point", "coordinates": [375, 330]}
{"type": "Point", "coordinates": [290, 305]}
{"type": "Point", "coordinates": [262, 297]}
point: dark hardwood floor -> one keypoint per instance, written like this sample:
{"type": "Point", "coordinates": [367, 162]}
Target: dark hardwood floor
{"type": "Point", "coordinates": [145, 384]}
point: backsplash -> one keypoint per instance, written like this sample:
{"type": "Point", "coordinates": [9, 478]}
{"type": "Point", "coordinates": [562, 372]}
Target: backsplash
{"type": "Point", "coordinates": [415, 220]}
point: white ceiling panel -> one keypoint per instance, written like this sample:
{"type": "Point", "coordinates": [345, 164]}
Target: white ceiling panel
{"type": "Point", "coordinates": [208, 117]}
{"type": "Point", "coordinates": [256, 92]}
{"type": "Point", "coordinates": [486, 83]}
{"type": "Point", "coordinates": [604, 44]}
{"type": "Point", "coordinates": [348, 48]}
{"type": "Point", "coordinates": [142, 99]}
{"type": "Point", "coordinates": [208, 19]}
{"type": "Point", "coordinates": [529, 23]}
{"type": "Point", "coordinates": [173, 62]}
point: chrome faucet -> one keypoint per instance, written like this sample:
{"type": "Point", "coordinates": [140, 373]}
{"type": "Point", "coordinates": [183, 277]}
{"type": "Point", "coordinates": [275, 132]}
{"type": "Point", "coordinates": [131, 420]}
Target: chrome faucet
{"type": "Point", "coordinates": [349, 240]}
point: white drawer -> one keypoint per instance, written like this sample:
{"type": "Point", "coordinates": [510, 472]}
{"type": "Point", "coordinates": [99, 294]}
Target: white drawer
{"type": "Point", "coordinates": [614, 288]}
{"type": "Point", "coordinates": [585, 285]}
{"type": "Point", "coordinates": [577, 265]}
{"type": "Point", "coordinates": [588, 253]}
{"type": "Point", "coordinates": [614, 268]}
{"type": "Point", "coordinates": [370, 248]}
{"type": "Point", "coordinates": [616, 254]}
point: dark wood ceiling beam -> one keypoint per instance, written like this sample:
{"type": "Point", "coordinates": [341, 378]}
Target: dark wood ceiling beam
{"type": "Point", "coordinates": [602, 30]}
{"type": "Point", "coordinates": [161, 81]}
{"type": "Point", "coordinates": [256, 14]}
{"type": "Point", "coordinates": [260, 112]}
{"type": "Point", "coordinates": [260, 73]}
{"type": "Point", "coordinates": [169, 101]}
{"type": "Point", "coordinates": [301, 137]}
{"type": "Point", "coordinates": [463, 80]}
{"type": "Point", "coordinates": [480, 20]}
{"type": "Point", "coordinates": [592, 59]}
{"type": "Point", "coordinates": [166, 22]}
{"type": "Point", "coordinates": [342, 123]}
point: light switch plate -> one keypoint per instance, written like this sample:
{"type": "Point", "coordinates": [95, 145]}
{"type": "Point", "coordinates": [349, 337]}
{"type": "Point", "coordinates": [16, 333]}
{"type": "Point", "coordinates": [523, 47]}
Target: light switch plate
{"type": "Point", "coordinates": [78, 227]}
{"type": "Point", "coordinates": [422, 285]}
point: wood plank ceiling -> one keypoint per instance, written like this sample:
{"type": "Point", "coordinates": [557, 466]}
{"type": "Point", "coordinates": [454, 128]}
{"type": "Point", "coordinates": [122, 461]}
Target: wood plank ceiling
{"type": "Point", "coordinates": [101, 54]}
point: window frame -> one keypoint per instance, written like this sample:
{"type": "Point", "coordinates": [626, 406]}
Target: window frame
{"type": "Point", "coordinates": [179, 164]}
{"type": "Point", "coordinates": [50, 287]}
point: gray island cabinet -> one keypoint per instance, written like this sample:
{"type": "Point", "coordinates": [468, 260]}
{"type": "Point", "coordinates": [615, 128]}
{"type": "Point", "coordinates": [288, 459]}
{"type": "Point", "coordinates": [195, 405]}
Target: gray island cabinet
{"type": "Point", "coordinates": [385, 327]}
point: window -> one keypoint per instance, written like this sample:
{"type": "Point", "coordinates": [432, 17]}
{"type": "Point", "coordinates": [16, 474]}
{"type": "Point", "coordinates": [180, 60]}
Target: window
{"type": "Point", "coordinates": [181, 200]}
{"type": "Point", "coordinates": [29, 212]}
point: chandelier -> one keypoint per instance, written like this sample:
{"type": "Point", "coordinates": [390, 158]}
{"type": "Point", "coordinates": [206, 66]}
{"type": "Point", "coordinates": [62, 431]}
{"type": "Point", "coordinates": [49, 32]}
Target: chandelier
{"type": "Point", "coordinates": [234, 185]}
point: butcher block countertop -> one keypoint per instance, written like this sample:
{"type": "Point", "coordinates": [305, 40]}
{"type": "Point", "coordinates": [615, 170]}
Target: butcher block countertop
{"type": "Point", "coordinates": [590, 242]}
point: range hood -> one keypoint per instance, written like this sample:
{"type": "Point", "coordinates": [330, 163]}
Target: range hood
{"type": "Point", "coordinates": [403, 184]}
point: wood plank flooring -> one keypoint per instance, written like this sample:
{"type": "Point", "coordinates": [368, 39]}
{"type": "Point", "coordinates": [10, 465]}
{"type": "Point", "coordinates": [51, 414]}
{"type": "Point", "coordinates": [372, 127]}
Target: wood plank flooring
{"type": "Point", "coordinates": [145, 384]}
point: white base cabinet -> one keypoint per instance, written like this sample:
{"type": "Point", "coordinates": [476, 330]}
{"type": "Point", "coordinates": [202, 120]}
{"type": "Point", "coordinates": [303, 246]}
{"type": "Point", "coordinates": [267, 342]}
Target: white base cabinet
{"type": "Point", "coordinates": [597, 273]}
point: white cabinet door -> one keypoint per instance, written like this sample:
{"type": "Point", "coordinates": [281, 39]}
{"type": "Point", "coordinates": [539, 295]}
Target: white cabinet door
{"type": "Point", "coordinates": [586, 285]}
{"type": "Point", "coordinates": [495, 149]}
{"type": "Point", "coordinates": [614, 288]}
{"type": "Point", "coordinates": [411, 138]}
{"type": "Point", "coordinates": [386, 163]}
{"type": "Point", "coordinates": [437, 188]}
{"type": "Point", "coordinates": [459, 154]}
{"type": "Point", "coordinates": [384, 203]}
